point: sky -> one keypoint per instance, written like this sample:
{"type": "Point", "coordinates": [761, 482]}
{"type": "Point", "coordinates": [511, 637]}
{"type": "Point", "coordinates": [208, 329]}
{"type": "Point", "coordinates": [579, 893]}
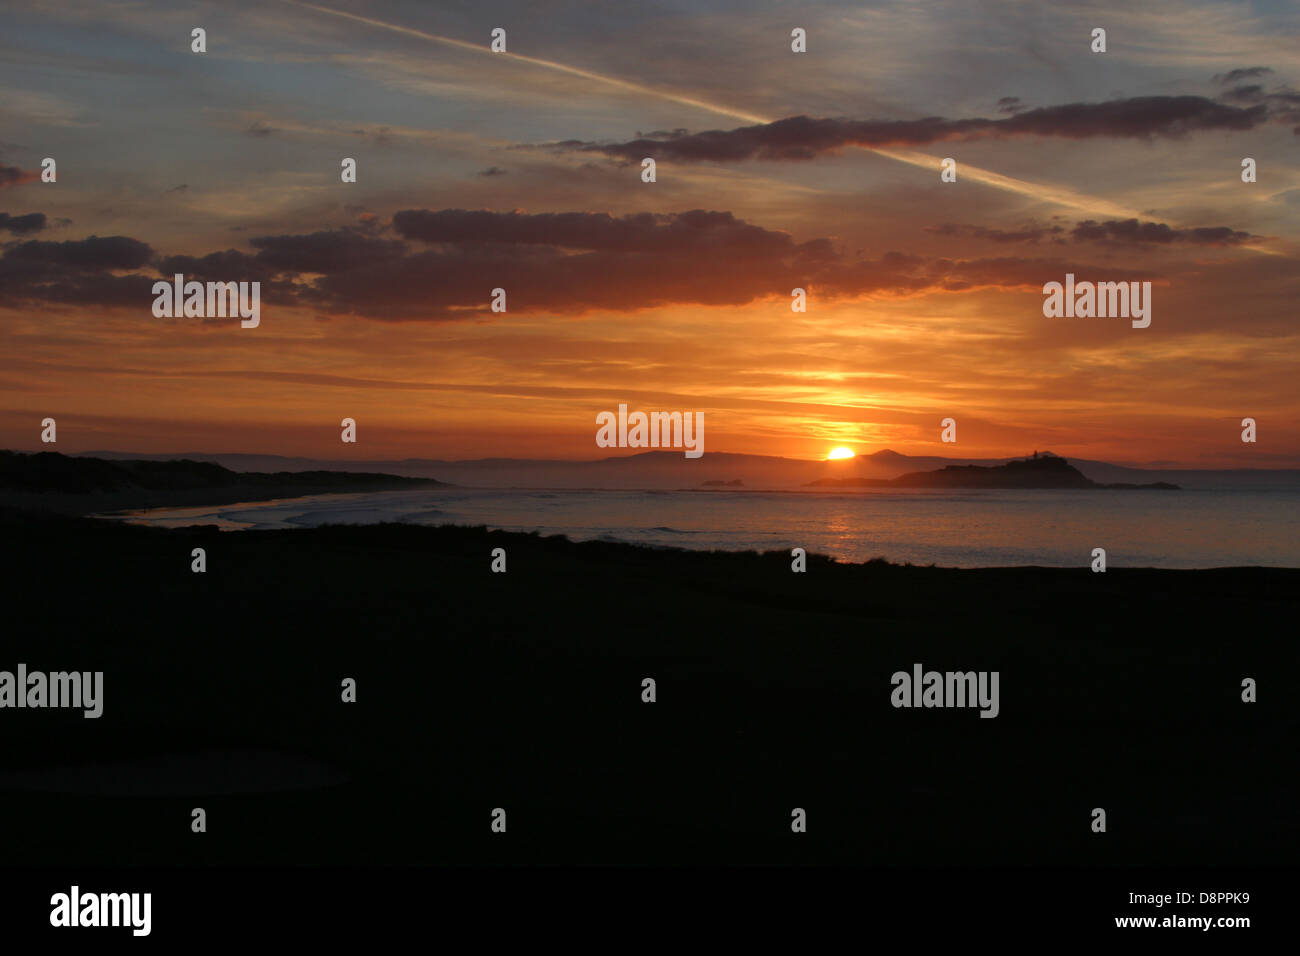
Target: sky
{"type": "Point", "coordinates": [775, 170]}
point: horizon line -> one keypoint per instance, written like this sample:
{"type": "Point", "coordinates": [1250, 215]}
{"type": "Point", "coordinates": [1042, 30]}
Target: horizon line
{"type": "Point", "coordinates": [673, 452]}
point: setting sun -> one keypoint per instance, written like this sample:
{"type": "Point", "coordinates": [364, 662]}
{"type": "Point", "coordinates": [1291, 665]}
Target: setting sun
{"type": "Point", "coordinates": [840, 452]}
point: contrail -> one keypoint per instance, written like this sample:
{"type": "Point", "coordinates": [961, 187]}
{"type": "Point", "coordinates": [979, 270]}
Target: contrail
{"type": "Point", "coordinates": [1054, 194]}
{"type": "Point", "coordinates": [1057, 195]}
{"type": "Point", "coordinates": [536, 61]}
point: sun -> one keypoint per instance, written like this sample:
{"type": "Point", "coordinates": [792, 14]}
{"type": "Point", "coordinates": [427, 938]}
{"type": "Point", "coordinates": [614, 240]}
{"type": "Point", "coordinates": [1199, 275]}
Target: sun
{"type": "Point", "coordinates": [840, 452]}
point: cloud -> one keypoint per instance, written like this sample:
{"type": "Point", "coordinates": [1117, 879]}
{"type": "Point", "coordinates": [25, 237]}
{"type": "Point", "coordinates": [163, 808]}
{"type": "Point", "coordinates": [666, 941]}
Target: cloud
{"type": "Point", "coordinates": [566, 263]}
{"type": "Point", "coordinates": [1029, 233]}
{"type": "Point", "coordinates": [259, 129]}
{"type": "Point", "coordinates": [91, 254]}
{"type": "Point", "coordinates": [493, 171]}
{"type": "Point", "coordinates": [13, 176]}
{"type": "Point", "coordinates": [571, 263]}
{"type": "Point", "coordinates": [1282, 105]}
{"type": "Point", "coordinates": [445, 264]}
{"type": "Point", "coordinates": [675, 233]}
{"type": "Point", "coordinates": [77, 272]}
{"type": "Point", "coordinates": [1112, 230]}
{"type": "Point", "coordinates": [22, 225]}
{"type": "Point", "coordinates": [46, 284]}
{"type": "Point", "coordinates": [230, 265]}
{"type": "Point", "coordinates": [294, 255]}
{"type": "Point", "coordinates": [338, 250]}
{"type": "Point", "coordinates": [1252, 94]}
{"type": "Point", "coordinates": [1235, 76]}
{"type": "Point", "coordinates": [454, 282]}
{"type": "Point", "coordinates": [1131, 230]}
{"type": "Point", "coordinates": [804, 137]}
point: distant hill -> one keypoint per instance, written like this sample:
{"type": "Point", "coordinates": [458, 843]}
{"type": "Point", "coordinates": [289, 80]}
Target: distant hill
{"type": "Point", "coordinates": [1041, 471]}
{"type": "Point", "coordinates": [58, 482]}
{"type": "Point", "coordinates": [670, 470]}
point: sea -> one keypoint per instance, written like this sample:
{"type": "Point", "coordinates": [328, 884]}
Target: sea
{"type": "Point", "coordinates": [997, 528]}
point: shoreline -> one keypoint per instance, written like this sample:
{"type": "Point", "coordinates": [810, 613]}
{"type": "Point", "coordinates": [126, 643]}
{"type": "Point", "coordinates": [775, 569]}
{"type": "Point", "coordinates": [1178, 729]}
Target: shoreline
{"type": "Point", "coordinates": [104, 503]}
{"type": "Point", "coordinates": [71, 522]}
{"type": "Point", "coordinates": [624, 519]}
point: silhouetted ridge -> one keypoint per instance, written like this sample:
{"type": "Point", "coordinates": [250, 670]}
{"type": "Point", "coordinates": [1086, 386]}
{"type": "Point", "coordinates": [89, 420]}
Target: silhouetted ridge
{"type": "Point", "coordinates": [50, 472]}
{"type": "Point", "coordinates": [1043, 470]}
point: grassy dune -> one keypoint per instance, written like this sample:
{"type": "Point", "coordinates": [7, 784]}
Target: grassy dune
{"type": "Point", "coordinates": [523, 691]}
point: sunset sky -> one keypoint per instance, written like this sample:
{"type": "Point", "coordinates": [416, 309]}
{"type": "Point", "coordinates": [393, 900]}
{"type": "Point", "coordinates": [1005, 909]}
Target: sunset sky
{"type": "Point", "coordinates": [522, 170]}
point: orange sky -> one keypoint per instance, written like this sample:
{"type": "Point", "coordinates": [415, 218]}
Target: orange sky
{"type": "Point", "coordinates": [925, 297]}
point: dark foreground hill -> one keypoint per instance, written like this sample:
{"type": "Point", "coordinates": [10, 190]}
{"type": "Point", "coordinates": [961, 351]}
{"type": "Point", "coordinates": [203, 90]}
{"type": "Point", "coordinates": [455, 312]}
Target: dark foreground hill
{"type": "Point", "coordinates": [69, 485]}
{"type": "Point", "coordinates": [523, 691]}
{"type": "Point", "coordinates": [1045, 471]}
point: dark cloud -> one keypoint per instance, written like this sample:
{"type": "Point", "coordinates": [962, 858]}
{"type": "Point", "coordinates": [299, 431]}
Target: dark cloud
{"type": "Point", "coordinates": [76, 272]}
{"type": "Point", "coordinates": [22, 225]}
{"type": "Point", "coordinates": [565, 263]}
{"type": "Point", "coordinates": [228, 266]}
{"type": "Point", "coordinates": [1029, 233]}
{"type": "Point", "coordinates": [447, 262]}
{"type": "Point", "coordinates": [231, 265]}
{"type": "Point", "coordinates": [323, 252]}
{"type": "Point", "coordinates": [1113, 230]}
{"type": "Point", "coordinates": [183, 187]}
{"type": "Point", "coordinates": [13, 176]}
{"type": "Point", "coordinates": [1131, 230]}
{"type": "Point", "coordinates": [682, 233]}
{"type": "Point", "coordinates": [1244, 94]}
{"type": "Point", "coordinates": [312, 253]}
{"type": "Point", "coordinates": [259, 129]}
{"type": "Point", "coordinates": [1011, 104]}
{"type": "Point", "coordinates": [1235, 76]}
{"type": "Point", "coordinates": [569, 263]}
{"type": "Point", "coordinates": [101, 289]}
{"type": "Point", "coordinates": [437, 285]}
{"type": "Point", "coordinates": [1282, 105]}
{"type": "Point", "coordinates": [92, 254]}
{"type": "Point", "coordinates": [804, 137]}
{"type": "Point", "coordinates": [492, 171]}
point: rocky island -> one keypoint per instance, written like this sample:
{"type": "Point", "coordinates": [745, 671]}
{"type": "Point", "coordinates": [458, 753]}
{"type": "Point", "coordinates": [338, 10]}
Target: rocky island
{"type": "Point", "coordinates": [1038, 471]}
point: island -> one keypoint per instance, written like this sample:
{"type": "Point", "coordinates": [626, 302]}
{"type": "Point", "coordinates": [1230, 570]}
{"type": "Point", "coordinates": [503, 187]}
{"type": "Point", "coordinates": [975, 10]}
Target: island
{"type": "Point", "coordinates": [1038, 471]}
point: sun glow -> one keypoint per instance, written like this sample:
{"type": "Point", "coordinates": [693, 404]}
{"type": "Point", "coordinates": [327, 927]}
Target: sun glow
{"type": "Point", "coordinates": [840, 452]}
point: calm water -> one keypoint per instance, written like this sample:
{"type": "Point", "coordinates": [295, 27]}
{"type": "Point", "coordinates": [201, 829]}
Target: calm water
{"type": "Point", "coordinates": [1184, 529]}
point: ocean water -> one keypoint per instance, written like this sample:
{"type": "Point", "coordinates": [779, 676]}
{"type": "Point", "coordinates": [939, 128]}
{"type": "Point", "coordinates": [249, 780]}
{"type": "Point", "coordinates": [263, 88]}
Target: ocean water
{"type": "Point", "coordinates": [1182, 529]}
